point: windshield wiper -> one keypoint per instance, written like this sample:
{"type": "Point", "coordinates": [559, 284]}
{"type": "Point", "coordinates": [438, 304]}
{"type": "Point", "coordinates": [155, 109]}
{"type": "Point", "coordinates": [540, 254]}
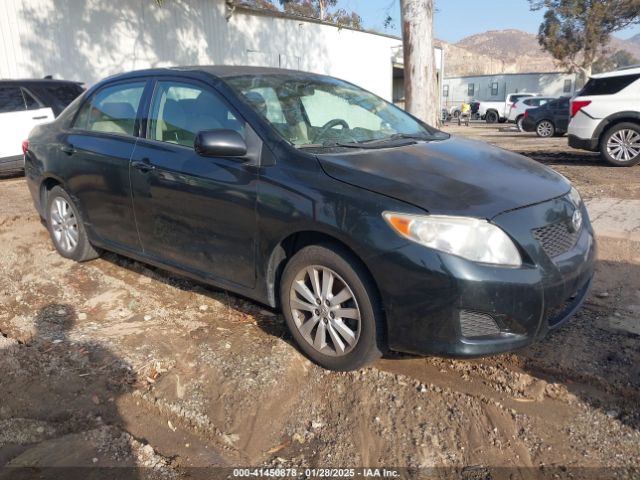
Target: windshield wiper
{"type": "Point", "coordinates": [398, 136]}
{"type": "Point", "coordinates": [329, 145]}
{"type": "Point", "coordinates": [397, 139]}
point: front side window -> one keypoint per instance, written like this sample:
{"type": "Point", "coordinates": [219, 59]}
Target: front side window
{"type": "Point", "coordinates": [112, 110]}
{"type": "Point", "coordinates": [323, 111]}
{"type": "Point", "coordinates": [11, 100]}
{"type": "Point", "coordinates": [180, 110]}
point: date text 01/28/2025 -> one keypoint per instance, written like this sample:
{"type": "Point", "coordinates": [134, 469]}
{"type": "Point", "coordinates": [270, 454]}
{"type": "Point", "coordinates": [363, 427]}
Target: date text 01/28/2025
{"type": "Point", "coordinates": [316, 472]}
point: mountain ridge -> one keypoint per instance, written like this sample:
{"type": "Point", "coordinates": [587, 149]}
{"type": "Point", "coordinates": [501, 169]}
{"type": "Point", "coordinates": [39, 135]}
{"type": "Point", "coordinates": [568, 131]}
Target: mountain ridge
{"type": "Point", "coordinates": [511, 51]}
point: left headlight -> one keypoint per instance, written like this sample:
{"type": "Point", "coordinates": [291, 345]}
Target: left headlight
{"type": "Point", "coordinates": [470, 238]}
{"type": "Point", "coordinates": [575, 197]}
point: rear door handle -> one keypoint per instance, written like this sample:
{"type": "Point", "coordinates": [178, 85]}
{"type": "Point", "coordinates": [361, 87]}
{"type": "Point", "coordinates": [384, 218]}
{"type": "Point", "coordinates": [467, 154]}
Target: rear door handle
{"type": "Point", "coordinates": [68, 149]}
{"type": "Point", "coordinates": [143, 165]}
{"type": "Point", "coordinates": [41, 117]}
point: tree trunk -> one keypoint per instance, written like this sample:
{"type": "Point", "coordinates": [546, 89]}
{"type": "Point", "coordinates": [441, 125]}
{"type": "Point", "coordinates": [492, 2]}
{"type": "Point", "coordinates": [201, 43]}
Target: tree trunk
{"type": "Point", "coordinates": [323, 9]}
{"type": "Point", "coordinates": [420, 86]}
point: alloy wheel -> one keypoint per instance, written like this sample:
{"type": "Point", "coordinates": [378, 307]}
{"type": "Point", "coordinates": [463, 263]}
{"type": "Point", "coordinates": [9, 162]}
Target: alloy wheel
{"type": "Point", "coordinates": [544, 129]}
{"type": "Point", "coordinates": [624, 145]}
{"type": "Point", "coordinates": [325, 310]}
{"type": "Point", "coordinates": [64, 225]}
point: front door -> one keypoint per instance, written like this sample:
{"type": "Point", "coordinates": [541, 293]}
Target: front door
{"type": "Point", "coordinates": [198, 213]}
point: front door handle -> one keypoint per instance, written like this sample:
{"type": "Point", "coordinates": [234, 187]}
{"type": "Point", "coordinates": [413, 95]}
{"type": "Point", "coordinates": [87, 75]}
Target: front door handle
{"type": "Point", "coordinates": [41, 117]}
{"type": "Point", "coordinates": [143, 165]}
{"type": "Point", "coordinates": [68, 148]}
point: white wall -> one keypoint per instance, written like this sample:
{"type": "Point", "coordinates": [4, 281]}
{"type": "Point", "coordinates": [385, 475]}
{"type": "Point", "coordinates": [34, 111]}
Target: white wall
{"type": "Point", "coordinates": [86, 40]}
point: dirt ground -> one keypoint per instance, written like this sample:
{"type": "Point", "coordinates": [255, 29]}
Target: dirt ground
{"type": "Point", "coordinates": [114, 363]}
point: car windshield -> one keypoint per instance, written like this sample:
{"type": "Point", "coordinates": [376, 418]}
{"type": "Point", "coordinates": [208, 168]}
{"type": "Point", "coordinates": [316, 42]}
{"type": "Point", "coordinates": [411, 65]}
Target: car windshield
{"type": "Point", "coordinates": [319, 112]}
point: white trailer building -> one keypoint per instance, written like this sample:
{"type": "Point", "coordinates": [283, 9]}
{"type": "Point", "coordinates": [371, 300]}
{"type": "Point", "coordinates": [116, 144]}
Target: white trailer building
{"type": "Point", "coordinates": [489, 88]}
{"type": "Point", "coordinates": [86, 40]}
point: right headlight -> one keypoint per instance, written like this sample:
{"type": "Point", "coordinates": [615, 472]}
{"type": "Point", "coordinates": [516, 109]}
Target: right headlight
{"type": "Point", "coordinates": [470, 238]}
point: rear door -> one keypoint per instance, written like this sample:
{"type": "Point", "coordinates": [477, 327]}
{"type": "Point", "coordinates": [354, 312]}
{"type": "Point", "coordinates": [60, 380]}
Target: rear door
{"type": "Point", "coordinates": [562, 114]}
{"type": "Point", "coordinates": [19, 113]}
{"type": "Point", "coordinates": [95, 156]}
{"type": "Point", "coordinates": [198, 213]}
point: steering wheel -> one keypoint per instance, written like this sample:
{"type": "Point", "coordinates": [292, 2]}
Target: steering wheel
{"type": "Point", "coordinates": [328, 126]}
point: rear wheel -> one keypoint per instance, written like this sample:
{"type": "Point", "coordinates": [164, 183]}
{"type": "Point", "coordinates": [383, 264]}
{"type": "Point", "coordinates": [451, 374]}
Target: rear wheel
{"type": "Point", "coordinates": [491, 117]}
{"type": "Point", "coordinates": [545, 128]}
{"type": "Point", "coordinates": [66, 228]}
{"type": "Point", "coordinates": [620, 146]}
{"type": "Point", "coordinates": [519, 121]}
{"type": "Point", "coordinates": [331, 308]}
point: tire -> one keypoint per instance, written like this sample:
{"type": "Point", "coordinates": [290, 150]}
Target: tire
{"type": "Point", "coordinates": [620, 145]}
{"type": "Point", "coordinates": [519, 121]}
{"type": "Point", "coordinates": [343, 343]}
{"type": "Point", "coordinates": [491, 117]}
{"type": "Point", "coordinates": [545, 128]}
{"type": "Point", "coordinates": [66, 228]}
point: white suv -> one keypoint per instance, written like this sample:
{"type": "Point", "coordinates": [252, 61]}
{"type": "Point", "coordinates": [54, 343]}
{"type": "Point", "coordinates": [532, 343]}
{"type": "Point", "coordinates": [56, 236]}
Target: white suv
{"type": "Point", "coordinates": [25, 104]}
{"type": "Point", "coordinates": [606, 117]}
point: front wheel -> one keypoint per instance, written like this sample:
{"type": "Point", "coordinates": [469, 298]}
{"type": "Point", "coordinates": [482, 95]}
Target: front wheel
{"type": "Point", "coordinates": [545, 129]}
{"type": "Point", "coordinates": [66, 228]}
{"type": "Point", "coordinates": [331, 308]}
{"type": "Point", "coordinates": [620, 146]}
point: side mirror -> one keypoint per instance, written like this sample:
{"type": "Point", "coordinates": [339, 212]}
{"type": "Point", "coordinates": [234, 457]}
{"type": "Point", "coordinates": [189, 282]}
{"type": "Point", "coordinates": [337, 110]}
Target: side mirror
{"type": "Point", "coordinates": [220, 143]}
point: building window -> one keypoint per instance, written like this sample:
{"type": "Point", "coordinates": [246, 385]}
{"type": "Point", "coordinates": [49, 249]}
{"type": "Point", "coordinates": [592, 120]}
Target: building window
{"type": "Point", "coordinates": [471, 89]}
{"type": "Point", "coordinates": [567, 86]}
{"type": "Point", "coordinates": [494, 89]}
{"type": "Point", "coordinates": [445, 91]}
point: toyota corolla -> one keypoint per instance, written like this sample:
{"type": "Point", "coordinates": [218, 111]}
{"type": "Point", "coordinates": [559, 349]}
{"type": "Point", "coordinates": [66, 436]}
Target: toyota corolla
{"type": "Point", "coordinates": [369, 229]}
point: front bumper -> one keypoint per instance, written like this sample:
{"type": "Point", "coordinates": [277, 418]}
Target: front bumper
{"type": "Point", "coordinates": [430, 296]}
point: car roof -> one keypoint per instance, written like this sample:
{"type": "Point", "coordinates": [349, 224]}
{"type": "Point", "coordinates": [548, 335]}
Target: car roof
{"type": "Point", "coordinates": [634, 70]}
{"type": "Point", "coordinates": [37, 81]}
{"type": "Point", "coordinates": [219, 71]}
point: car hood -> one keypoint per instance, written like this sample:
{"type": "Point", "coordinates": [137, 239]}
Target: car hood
{"type": "Point", "coordinates": [450, 177]}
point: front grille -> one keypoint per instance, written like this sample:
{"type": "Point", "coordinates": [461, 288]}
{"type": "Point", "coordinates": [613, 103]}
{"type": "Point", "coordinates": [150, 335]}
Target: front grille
{"type": "Point", "coordinates": [474, 324]}
{"type": "Point", "coordinates": [556, 238]}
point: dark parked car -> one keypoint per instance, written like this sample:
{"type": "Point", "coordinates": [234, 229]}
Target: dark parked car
{"type": "Point", "coordinates": [550, 119]}
{"type": "Point", "coordinates": [368, 228]}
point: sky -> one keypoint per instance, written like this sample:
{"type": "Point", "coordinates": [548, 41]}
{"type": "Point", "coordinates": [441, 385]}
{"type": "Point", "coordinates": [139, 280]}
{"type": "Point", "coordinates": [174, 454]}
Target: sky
{"type": "Point", "coordinates": [456, 19]}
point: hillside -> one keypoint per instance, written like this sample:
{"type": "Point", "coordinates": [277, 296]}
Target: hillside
{"type": "Point", "coordinates": [509, 51]}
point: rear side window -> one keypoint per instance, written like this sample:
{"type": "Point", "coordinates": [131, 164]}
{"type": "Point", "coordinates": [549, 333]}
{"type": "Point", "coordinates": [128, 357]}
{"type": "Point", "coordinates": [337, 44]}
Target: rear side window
{"type": "Point", "coordinates": [11, 100]}
{"type": "Point", "coordinates": [112, 110]}
{"type": "Point", "coordinates": [30, 102]}
{"type": "Point", "coordinates": [515, 98]}
{"type": "Point", "coordinates": [608, 85]}
{"type": "Point", "coordinates": [57, 95]}
{"type": "Point", "coordinates": [64, 94]}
